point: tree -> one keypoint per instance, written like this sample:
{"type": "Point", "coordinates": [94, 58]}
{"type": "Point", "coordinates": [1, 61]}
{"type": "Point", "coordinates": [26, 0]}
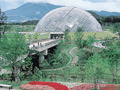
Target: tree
{"type": "Point", "coordinates": [95, 68]}
{"type": "Point", "coordinates": [3, 18]}
{"type": "Point", "coordinates": [102, 20]}
{"type": "Point", "coordinates": [66, 35]}
{"type": "Point", "coordinates": [112, 55]}
{"type": "Point", "coordinates": [80, 42]}
{"type": "Point", "coordinates": [13, 50]}
{"type": "Point", "coordinates": [59, 58]}
{"type": "Point", "coordinates": [90, 39]}
{"type": "Point", "coordinates": [116, 29]}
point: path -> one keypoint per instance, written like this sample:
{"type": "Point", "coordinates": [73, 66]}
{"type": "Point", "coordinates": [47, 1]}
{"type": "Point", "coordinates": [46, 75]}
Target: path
{"type": "Point", "coordinates": [74, 61]}
{"type": "Point", "coordinates": [99, 44]}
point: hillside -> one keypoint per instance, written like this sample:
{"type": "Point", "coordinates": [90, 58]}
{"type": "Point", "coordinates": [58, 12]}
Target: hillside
{"type": "Point", "coordinates": [35, 11]}
{"type": "Point", "coordinates": [106, 13]}
{"type": "Point", "coordinates": [29, 11]}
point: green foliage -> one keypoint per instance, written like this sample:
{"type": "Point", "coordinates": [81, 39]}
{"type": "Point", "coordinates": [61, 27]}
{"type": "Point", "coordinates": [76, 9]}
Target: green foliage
{"type": "Point", "coordinates": [3, 19]}
{"type": "Point", "coordinates": [22, 28]}
{"type": "Point", "coordinates": [21, 76]}
{"type": "Point", "coordinates": [67, 36]}
{"type": "Point", "coordinates": [90, 39]}
{"type": "Point", "coordinates": [84, 55]}
{"type": "Point", "coordinates": [99, 35]}
{"type": "Point", "coordinates": [112, 19]}
{"type": "Point", "coordinates": [95, 67]}
{"type": "Point", "coordinates": [36, 76]}
{"type": "Point", "coordinates": [13, 49]}
{"type": "Point", "coordinates": [60, 46]}
{"type": "Point", "coordinates": [12, 45]}
{"type": "Point", "coordinates": [59, 58]}
{"type": "Point", "coordinates": [79, 38]}
{"type": "Point", "coordinates": [45, 64]}
{"type": "Point", "coordinates": [116, 28]}
{"type": "Point", "coordinates": [4, 77]}
{"type": "Point", "coordinates": [112, 55]}
{"type": "Point", "coordinates": [36, 37]}
{"type": "Point", "coordinates": [27, 65]}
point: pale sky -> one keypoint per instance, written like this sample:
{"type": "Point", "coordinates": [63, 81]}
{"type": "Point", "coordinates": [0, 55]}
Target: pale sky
{"type": "Point", "coordinates": [98, 5]}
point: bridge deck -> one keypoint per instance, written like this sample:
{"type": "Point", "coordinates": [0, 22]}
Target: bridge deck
{"type": "Point", "coordinates": [41, 46]}
{"type": "Point", "coordinates": [40, 49]}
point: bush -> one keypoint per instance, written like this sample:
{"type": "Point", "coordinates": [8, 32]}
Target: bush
{"type": "Point", "coordinates": [34, 85]}
{"type": "Point", "coordinates": [100, 86]}
{"type": "Point", "coordinates": [5, 77]}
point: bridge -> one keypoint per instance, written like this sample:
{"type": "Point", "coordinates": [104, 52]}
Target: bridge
{"type": "Point", "coordinates": [42, 48]}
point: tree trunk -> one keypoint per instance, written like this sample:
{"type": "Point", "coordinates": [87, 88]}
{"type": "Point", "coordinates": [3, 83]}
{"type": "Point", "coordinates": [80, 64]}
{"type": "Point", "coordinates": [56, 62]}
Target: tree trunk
{"type": "Point", "coordinates": [114, 77]}
{"type": "Point", "coordinates": [82, 78]}
{"type": "Point", "coordinates": [115, 73]}
{"type": "Point", "coordinates": [15, 74]}
{"type": "Point", "coordinates": [95, 82]}
{"type": "Point", "coordinates": [119, 34]}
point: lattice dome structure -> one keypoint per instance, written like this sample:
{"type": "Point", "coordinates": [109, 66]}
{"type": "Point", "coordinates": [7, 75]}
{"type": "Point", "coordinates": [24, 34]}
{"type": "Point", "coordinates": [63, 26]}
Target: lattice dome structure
{"type": "Point", "coordinates": [68, 18]}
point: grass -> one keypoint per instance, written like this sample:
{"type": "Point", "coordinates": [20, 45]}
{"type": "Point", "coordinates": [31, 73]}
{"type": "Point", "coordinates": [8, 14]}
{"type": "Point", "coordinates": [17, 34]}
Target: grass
{"type": "Point", "coordinates": [22, 28]}
{"type": "Point", "coordinates": [108, 27]}
{"type": "Point", "coordinates": [98, 35]}
{"type": "Point", "coordinates": [37, 36]}
{"type": "Point", "coordinates": [107, 31]}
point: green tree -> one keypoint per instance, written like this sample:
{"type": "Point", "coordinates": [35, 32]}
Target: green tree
{"type": "Point", "coordinates": [80, 42]}
{"type": "Point", "coordinates": [35, 36]}
{"type": "Point", "coordinates": [3, 18]}
{"type": "Point", "coordinates": [112, 55]}
{"type": "Point", "coordinates": [13, 49]}
{"type": "Point", "coordinates": [102, 20]}
{"type": "Point", "coordinates": [28, 37]}
{"type": "Point", "coordinates": [59, 58]}
{"type": "Point", "coordinates": [95, 68]}
{"type": "Point", "coordinates": [90, 39]}
{"type": "Point", "coordinates": [116, 29]}
{"type": "Point", "coordinates": [67, 36]}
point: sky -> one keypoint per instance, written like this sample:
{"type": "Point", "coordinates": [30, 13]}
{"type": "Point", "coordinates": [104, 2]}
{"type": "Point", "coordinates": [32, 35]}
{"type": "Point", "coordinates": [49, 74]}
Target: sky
{"type": "Point", "coordinates": [98, 5]}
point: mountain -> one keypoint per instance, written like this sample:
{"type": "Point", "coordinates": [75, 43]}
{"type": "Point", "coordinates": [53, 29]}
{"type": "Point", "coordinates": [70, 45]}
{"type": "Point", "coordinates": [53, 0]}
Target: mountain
{"type": "Point", "coordinates": [29, 11]}
{"type": "Point", "coordinates": [35, 11]}
{"type": "Point", "coordinates": [106, 13]}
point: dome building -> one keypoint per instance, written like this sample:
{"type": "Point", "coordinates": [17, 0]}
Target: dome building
{"type": "Point", "coordinates": [60, 19]}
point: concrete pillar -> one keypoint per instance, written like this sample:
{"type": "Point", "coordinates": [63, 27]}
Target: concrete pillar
{"type": "Point", "coordinates": [45, 52]}
{"type": "Point", "coordinates": [41, 59]}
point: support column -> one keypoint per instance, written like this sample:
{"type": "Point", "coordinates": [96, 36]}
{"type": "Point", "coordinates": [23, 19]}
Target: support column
{"type": "Point", "coordinates": [41, 59]}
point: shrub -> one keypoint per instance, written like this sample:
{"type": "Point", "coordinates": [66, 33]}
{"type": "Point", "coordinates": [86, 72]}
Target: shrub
{"type": "Point", "coordinates": [100, 86]}
{"type": "Point", "coordinates": [35, 87]}
{"type": "Point", "coordinates": [55, 85]}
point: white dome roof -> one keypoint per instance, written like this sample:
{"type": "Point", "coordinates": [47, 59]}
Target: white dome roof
{"type": "Point", "coordinates": [68, 18]}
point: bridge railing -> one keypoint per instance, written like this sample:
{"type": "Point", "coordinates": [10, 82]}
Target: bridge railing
{"type": "Point", "coordinates": [39, 44]}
